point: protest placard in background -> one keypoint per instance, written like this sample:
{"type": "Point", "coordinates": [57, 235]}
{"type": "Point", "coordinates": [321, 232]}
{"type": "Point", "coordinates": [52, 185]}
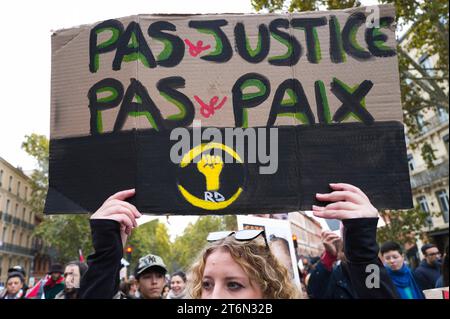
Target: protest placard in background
{"type": "Point", "coordinates": [437, 293]}
{"type": "Point", "coordinates": [279, 237]}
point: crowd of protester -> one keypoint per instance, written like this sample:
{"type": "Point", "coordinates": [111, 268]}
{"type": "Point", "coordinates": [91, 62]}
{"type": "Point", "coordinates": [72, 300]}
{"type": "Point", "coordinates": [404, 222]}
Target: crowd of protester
{"type": "Point", "coordinates": [242, 265]}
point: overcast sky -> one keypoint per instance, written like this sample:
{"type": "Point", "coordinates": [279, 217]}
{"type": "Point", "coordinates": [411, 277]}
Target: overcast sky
{"type": "Point", "coordinates": [25, 68]}
{"type": "Point", "coordinates": [26, 27]}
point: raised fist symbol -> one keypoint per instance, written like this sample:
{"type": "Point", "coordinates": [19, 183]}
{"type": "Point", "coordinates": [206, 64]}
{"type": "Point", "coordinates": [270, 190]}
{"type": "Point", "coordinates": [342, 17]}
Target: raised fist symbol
{"type": "Point", "coordinates": [211, 167]}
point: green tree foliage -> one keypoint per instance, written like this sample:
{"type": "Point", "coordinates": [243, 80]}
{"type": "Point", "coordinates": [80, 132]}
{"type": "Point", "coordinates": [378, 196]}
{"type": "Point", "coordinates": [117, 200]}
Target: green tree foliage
{"type": "Point", "coordinates": [37, 146]}
{"type": "Point", "coordinates": [403, 226]}
{"type": "Point", "coordinates": [428, 155]}
{"type": "Point", "coordinates": [300, 5]}
{"type": "Point", "coordinates": [143, 242]}
{"type": "Point", "coordinates": [153, 237]}
{"type": "Point", "coordinates": [64, 233]}
{"type": "Point", "coordinates": [187, 246]}
{"type": "Point", "coordinates": [229, 222]}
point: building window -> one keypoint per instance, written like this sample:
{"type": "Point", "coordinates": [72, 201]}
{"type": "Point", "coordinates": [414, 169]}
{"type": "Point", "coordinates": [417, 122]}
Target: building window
{"type": "Point", "coordinates": [411, 162]}
{"type": "Point", "coordinates": [4, 234]}
{"type": "Point", "coordinates": [8, 202]}
{"type": "Point", "coordinates": [18, 188]}
{"type": "Point", "coordinates": [16, 210]}
{"type": "Point", "coordinates": [443, 202]}
{"type": "Point", "coordinates": [26, 192]}
{"type": "Point", "coordinates": [20, 239]}
{"type": "Point", "coordinates": [423, 203]}
{"type": "Point", "coordinates": [1, 177]}
{"type": "Point", "coordinates": [420, 123]}
{"type": "Point", "coordinates": [13, 236]}
{"type": "Point", "coordinates": [425, 63]}
{"type": "Point", "coordinates": [24, 211]}
{"type": "Point", "coordinates": [445, 138]}
{"type": "Point", "coordinates": [442, 114]}
{"type": "Point", "coordinates": [10, 184]}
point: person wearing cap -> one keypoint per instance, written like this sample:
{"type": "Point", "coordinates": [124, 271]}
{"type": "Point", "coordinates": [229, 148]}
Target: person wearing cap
{"type": "Point", "coordinates": [73, 273]}
{"type": "Point", "coordinates": [150, 274]}
{"type": "Point", "coordinates": [14, 286]}
{"type": "Point", "coordinates": [21, 270]}
{"type": "Point", "coordinates": [55, 283]}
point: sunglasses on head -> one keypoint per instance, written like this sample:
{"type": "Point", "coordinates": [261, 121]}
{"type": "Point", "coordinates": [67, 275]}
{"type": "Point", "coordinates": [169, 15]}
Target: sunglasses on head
{"type": "Point", "coordinates": [240, 235]}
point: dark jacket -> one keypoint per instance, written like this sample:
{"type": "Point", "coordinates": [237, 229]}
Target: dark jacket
{"type": "Point", "coordinates": [325, 284]}
{"type": "Point", "coordinates": [426, 275]}
{"type": "Point", "coordinates": [348, 279]}
{"type": "Point", "coordinates": [102, 278]}
{"type": "Point", "coordinates": [101, 281]}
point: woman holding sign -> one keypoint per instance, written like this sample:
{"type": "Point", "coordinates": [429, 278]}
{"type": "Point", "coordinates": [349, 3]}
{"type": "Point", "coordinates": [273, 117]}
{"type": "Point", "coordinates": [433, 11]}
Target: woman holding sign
{"type": "Point", "coordinates": [113, 222]}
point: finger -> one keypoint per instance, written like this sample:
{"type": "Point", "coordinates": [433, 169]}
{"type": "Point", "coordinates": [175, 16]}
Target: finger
{"type": "Point", "coordinates": [133, 209]}
{"type": "Point", "coordinates": [319, 208]}
{"type": "Point", "coordinates": [116, 202]}
{"type": "Point", "coordinates": [342, 206]}
{"type": "Point", "coordinates": [122, 195]}
{"type": "Point", "coordinates": [341, 196]}
{"type": "Point", "coordinates": [324, 235]}
{"type": "Point", "coordinates": [337, 239]}
{"type": "Point", "coordinates": [330, 214]}
{"type": "Point", "coordinates": [325, 232]}
{"type": "Point", "coordinates": [123, 229]}
{"type": "Point", "coordinates": [330, 234]}
{"type": "Point", "coordinates": [121, 210]}
{"type": "Point", "coordinates": [348, 187]}
{"type": "Point", "coordinates": [333, 238]}
{"type": "Point", "coordinates": [123, 220]}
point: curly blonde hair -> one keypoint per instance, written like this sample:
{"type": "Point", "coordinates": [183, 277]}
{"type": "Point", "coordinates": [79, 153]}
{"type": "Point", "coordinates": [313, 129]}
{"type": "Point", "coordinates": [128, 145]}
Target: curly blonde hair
{"type": "Point", "coordinates": [257, 261]}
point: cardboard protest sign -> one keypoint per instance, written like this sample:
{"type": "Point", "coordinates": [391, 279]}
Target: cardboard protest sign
{"type": "Point", "coordinates": [315, 95]}
{"type": "Point", "coordinates": [279, 237]}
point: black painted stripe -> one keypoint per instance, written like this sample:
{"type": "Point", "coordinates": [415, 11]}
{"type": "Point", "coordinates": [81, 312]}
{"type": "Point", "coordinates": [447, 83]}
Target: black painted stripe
{"type": "Point", "coordinates": [85, 171]}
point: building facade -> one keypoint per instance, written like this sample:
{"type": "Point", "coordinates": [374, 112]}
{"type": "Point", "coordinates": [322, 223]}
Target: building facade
{"type": "Point", "coordinates": [430, 184]}
{"type": "Point", "coordinates": [308, 232]}
{"type": "Point", "coordinates": [305, 229]}
{"type": "Point", "coordinates": [17, 221]}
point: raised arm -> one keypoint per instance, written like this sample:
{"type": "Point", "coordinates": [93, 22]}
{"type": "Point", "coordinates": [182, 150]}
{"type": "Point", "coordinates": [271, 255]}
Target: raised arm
{"type": "Point", "coordinates": [110, 226]}
{"type": "Point", "coordinates": [363, 268]}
